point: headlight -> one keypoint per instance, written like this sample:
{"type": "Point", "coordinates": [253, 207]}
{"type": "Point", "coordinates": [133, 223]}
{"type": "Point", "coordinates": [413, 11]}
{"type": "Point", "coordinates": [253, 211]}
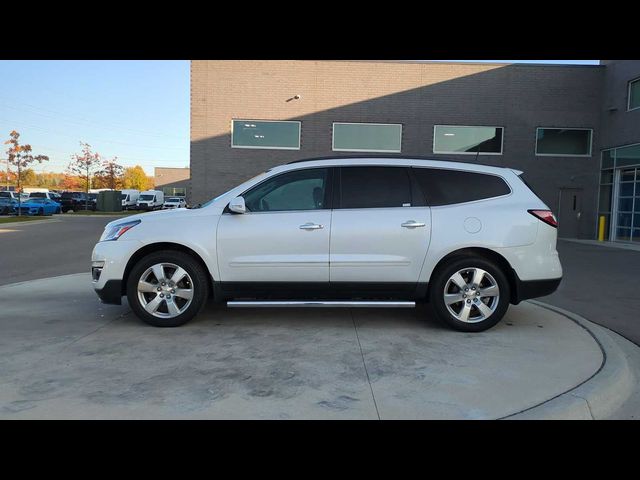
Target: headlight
{"type": "Point", "coordinates": [116, 231]}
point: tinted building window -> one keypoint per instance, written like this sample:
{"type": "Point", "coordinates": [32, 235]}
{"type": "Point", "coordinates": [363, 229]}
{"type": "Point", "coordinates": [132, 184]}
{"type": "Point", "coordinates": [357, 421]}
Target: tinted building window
{"type": "Point", "coordinates": [563, 141]}
{"type": "Point", "coordinates": [446, 187]}
{"type": "Point", "coordinates": [467, 140]}
{"type": "Point", "coordinates": [634, 94]}
{"type": "Point", "coordinates": [265, 134]}
{"type": "Point", "coordinates": [375, 187]}
{"type": "Point", "coordinates": [367, 137]}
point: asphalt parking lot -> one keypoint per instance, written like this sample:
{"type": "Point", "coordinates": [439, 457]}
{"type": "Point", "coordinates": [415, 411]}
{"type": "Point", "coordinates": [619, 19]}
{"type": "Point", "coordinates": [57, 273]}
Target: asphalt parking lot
{"type": "Point", "coordinates": [69, 356]}
{"type": "Point", "coordinates": [54, 246]}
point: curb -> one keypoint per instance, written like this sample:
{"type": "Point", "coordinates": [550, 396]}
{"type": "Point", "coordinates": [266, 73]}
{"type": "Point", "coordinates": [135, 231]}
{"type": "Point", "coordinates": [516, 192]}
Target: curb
{"type": "Point", "coordinates": [598, 397]}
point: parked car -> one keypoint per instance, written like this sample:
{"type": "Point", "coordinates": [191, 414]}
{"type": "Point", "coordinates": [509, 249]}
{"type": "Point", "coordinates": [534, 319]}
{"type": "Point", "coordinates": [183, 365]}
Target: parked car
{"type": "Point", "coordinates": [93, 201]}
{"type": "Point", "coordinates": [8, 205]}
{"type": "Point", "coordinates": [150, 200]}
{"type": "Point", "coordinates": [353, 232]}
{"type": "Point", "coordinates": [129, 198]}
{"type": "Point", "coordinates": [174, 202]}
{"type": "Point", "coordinates": [8, 194]}
{"type": "Point", "coordinates": [39, 206]}
{"type": "Point", "coordinates": [49, 195]}
{"type": "Point", "coordinates": [75, 201]}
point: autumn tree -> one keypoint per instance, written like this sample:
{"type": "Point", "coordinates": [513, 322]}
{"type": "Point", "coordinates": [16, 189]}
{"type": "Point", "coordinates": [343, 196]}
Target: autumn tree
{"type": "Point", "coordinates": [20, 156]}
{"type": "Point", "coordinates": [135, 178]}
{"type": "Point", "coordinates": [28, 177]}
{"type": "Point", "coordinates": [85, 165]}
{"type": "Point", "coordinates": [111, 174]}
{"type": "Point", "coordinates": [70, 182]}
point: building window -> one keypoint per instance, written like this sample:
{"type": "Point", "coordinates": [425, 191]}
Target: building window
{"type": "Point", "coordinates": [367, 137]}
{"type": "Point", "coordinates": [269, 134]}
{"type": "Point", "coordinates": [466, 140]}
{"type": "Point", "coordinates": [634, 94]}
{"type": "Point", "coordinates": [563, 142]}
{"type": "Point", "coordinates": [174, 191]}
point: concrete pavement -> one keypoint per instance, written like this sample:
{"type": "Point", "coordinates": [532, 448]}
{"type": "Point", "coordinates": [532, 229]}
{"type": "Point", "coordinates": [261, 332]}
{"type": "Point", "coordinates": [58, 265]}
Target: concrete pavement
{"type": "Point", "coordinates": [68, 356]}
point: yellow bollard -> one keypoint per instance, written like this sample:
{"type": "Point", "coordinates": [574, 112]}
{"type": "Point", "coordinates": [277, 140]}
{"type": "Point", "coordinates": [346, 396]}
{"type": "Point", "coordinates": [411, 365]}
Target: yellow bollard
{"type": "Point", "coordinates": [601, 228]}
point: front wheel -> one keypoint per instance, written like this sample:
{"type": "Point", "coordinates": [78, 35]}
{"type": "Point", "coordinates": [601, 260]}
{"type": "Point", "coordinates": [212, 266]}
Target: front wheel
{"type": "Point", "coordinates": [470, 294]}
{"type": "Point", "coordinates": [167, 288]}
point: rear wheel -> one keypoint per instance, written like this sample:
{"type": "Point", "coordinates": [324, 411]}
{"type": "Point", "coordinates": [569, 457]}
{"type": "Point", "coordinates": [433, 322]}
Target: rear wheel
{"type": "Point", "coordinates": [469, 293]}
{"type": "Point", "coordinates": [167, 288]}
{"type": "Point", "coordinates": [41, 212]}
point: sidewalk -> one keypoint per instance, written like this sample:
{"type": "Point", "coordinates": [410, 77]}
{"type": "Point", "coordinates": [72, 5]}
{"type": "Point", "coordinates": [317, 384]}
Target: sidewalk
{"type": "Point", "coordinates": [625, 246]}
{"type": "Point", "coordinates": [69, 356]}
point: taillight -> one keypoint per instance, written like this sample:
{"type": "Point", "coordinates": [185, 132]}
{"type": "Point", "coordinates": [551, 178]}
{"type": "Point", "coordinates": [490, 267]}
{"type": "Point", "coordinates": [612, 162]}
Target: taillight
{"type": "Point", "coordinates": [546, 216]}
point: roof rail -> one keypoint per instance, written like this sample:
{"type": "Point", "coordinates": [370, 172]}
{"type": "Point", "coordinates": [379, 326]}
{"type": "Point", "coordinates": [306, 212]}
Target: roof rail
{"type": "Point", "coordinates": [393, 157]}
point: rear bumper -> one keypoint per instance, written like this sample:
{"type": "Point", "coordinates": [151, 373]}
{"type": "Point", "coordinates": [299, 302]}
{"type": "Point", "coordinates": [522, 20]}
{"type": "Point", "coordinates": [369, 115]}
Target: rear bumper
{"type": "Point", "coordinates": [534, 288]}
{"type": "Point", "coordinates": [111, 292]}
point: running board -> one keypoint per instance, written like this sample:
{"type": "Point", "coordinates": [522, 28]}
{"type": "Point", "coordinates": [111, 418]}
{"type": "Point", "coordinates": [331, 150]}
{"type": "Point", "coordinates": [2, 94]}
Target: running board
{"type": "Point", "coordinates": [319, 304]}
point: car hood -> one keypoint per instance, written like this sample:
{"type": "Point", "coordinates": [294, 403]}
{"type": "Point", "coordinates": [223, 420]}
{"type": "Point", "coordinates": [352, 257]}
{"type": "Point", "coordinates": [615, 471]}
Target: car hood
{"type": "Point", "coordinates": [157, 216]}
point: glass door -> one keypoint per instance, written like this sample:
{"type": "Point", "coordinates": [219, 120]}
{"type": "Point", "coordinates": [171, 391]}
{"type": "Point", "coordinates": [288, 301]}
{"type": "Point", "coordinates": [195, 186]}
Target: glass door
{"type": "Point", "coordinates": [627, 228]}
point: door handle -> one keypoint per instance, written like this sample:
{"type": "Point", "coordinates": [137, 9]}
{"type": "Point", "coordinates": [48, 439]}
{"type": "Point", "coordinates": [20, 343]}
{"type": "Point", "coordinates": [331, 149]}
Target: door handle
{"type": "Point", "coordinates": [413, 224]}
{"type": "Point", "coordinates": [311, 226]}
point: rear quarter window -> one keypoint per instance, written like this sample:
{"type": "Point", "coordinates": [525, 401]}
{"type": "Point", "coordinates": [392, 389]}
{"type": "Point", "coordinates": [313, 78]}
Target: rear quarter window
{"type": "Point", "coordinates": [448, 187]}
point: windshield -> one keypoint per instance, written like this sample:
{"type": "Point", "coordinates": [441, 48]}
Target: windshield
{"type": "Point", "coordinates": [173, 200]}
{"type": "Point", "coordinates": [147, 197]}
{"type": "Point", "coordinates": [6, 194]}
{"type": "Point", "coordinates": [38, 195]}
{"type": "Point", "coordinates": [124, 196]}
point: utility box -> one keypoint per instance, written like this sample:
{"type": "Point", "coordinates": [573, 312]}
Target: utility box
{"type": "Point", "coordinates": [109, 201]}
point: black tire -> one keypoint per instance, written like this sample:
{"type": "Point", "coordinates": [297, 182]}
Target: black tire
{"type": "Point", "coordinates": [41, 212]}
{"type": "Point", "coordinates": [195, 270]}
{"type": "Point", "coordinates": [439, 281]}
{"type": "Point", "coordinates": [58, 211]}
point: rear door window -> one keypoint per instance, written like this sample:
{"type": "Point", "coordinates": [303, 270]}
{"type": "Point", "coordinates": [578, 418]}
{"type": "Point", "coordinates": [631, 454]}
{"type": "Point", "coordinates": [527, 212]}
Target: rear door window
{"type": "Point", "coordinates": [447, 187]}
{"type": "Point", "coordinates": [375, 187]}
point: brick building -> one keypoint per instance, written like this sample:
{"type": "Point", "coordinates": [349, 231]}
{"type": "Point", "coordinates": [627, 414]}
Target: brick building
{"type": "Point", "coordinates": [172, 181]}
{"type": "Point", "coordinates": [558, 123]}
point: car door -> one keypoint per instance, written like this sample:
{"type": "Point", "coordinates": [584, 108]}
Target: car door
{"type": "Point", "coordinates": [284, 234]}
{"type": "Point", "coordinates": [380, 228]}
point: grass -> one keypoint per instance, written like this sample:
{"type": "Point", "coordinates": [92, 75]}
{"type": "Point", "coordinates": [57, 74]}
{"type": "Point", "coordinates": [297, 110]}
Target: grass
{"type": "Point", "coordinates": [21, 218]}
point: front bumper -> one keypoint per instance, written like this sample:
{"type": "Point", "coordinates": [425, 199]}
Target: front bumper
{"type": "Point", "coordinates": [108, 264]}
{"type": "Point", "coordinates": [111, 292]}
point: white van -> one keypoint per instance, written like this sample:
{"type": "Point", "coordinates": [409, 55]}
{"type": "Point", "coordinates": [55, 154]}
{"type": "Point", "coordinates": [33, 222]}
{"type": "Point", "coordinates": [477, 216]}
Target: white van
{"type": "Point", "coordinates": [150, 200]}
{"type": "Point", "coordinates": [129, 198]}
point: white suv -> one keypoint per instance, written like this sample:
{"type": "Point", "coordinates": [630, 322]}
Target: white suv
{"type": "Point", "coordinates": [351, 232]}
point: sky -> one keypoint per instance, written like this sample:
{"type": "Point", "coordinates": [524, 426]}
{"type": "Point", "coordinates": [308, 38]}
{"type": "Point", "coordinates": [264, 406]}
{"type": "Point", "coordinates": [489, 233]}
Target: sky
{"type": "Point", "coordinates": [137, 111]}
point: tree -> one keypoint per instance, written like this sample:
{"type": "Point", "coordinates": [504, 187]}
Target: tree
{"type": "Point", "coordinates": [28, 177]}
{"type": "Point", "coordinates": [70, 182]}
{"type": "Point", "coordinates": [136, 179]}
{"type": "Point", "coordinates": [20, 156]}
{"type": "Point", "coordinates": [85, 165]}
{"type": "Point", "coordinates": [111, 173]}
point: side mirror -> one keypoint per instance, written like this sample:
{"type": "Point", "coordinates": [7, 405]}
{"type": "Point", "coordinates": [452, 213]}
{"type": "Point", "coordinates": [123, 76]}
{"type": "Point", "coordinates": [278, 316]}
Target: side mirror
{"type": "Point", "coordinates": [237, 205]}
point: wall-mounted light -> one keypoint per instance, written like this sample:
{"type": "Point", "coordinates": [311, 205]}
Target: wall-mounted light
{"type": "Point", "coordinates": [295, 97]}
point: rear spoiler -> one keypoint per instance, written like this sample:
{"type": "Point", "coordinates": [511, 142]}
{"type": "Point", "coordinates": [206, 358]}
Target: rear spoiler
{"type": "Point", "coordinates": [517, 172]}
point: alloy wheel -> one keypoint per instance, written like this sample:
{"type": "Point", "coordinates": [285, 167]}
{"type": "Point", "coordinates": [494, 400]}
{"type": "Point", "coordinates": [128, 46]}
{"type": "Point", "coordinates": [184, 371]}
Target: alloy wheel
{"type": "Point", "coordinates": [471, 295]}
{"type": "Point", "coordinates": [165, 290]}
